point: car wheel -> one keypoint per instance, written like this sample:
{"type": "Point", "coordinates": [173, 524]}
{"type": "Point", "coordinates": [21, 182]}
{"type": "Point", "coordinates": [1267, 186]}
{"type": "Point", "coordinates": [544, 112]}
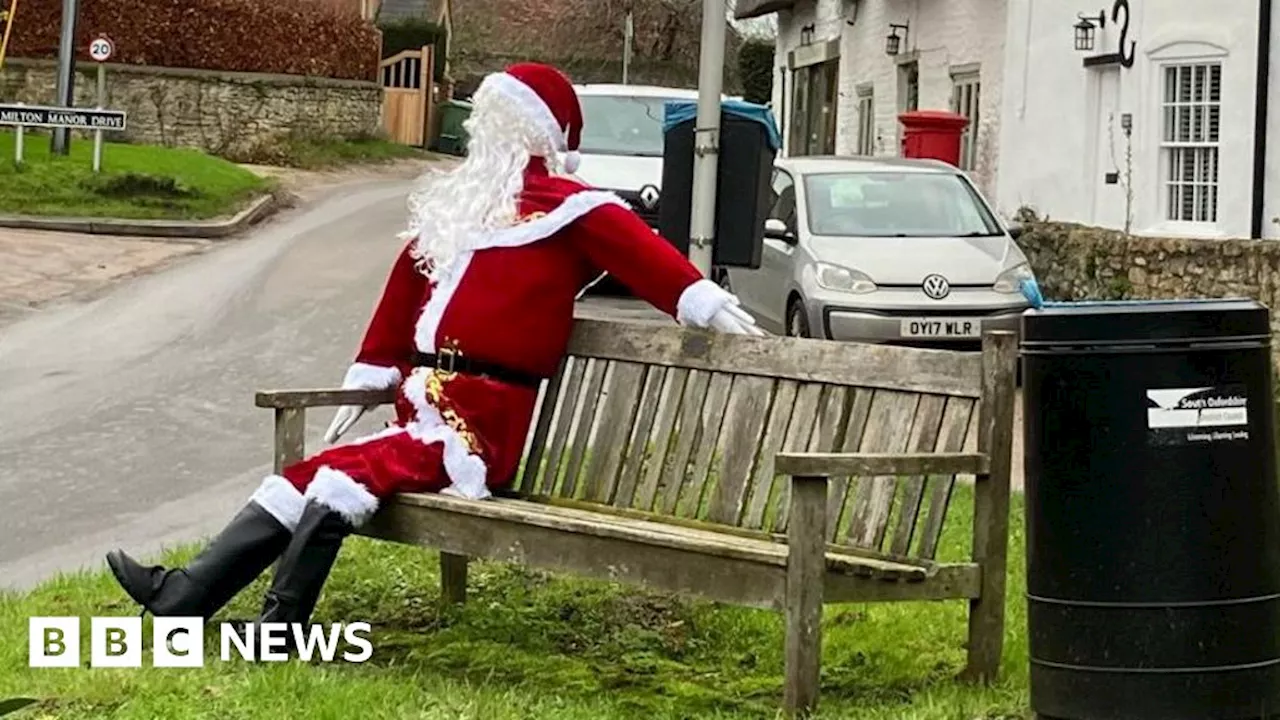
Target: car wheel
{"type": "Point", "coordinates": [797, 321]}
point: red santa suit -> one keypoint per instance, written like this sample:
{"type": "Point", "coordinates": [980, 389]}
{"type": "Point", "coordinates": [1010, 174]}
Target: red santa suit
{"type": "Point", "coordinates": [506, 300]}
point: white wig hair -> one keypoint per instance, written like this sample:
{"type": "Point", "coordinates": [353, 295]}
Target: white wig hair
{"type": "Point", "coordinates": [450, 211]}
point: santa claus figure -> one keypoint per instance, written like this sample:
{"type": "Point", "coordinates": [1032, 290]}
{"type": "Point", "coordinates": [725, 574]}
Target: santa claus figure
{"type": "Point", "coordinates": [476, 313]}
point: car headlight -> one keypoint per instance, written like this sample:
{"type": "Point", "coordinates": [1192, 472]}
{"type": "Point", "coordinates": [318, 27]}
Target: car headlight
{"type": "Point", "coordinates": [1010, 281]}
{"type": "Point", "coordinates": [842, 279]}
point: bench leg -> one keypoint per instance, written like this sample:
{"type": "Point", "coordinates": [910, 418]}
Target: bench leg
{"type": "Point", "coordinates": [453, 578]}
{"type": "Point", "coordinates": [986, 634]}
{"type": "Point", "coordinates": [806, 568]}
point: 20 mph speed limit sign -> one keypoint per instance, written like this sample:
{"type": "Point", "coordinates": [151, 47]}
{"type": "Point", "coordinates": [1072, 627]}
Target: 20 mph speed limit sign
{"type": "Point", "coordinates": [100, 49]}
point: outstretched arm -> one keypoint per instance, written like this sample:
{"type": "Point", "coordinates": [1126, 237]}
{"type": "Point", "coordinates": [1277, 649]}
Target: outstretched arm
{"type": "Point", "coordinates": [615, 240]}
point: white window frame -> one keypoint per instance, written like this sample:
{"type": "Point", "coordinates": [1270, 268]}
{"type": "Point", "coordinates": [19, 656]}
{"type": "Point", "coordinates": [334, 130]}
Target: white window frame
{"type": "Point", "coordinates": [966, 100]}
{"type": "Point", "coordinates": [1190, 125]}
{"type": "Point", "coordinates": [866, 120]}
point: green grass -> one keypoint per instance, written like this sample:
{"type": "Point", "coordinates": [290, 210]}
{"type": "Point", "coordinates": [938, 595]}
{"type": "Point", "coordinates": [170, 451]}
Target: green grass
{"type": "Point", "coordinates": [319, 154]}
{"type": "Point", "coordinates": [137, 182]}
{"type": "Point", "coordinates": [534, 645]}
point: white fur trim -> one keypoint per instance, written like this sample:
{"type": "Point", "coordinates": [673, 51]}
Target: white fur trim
{"type": "Point", "coordinates": [364, 376]}
{"type": "Point", "coordinates": [700, 302]}
{"type": "Point", "coordinates": [573, 207]}
{"type": "Point", "coordinates": [530, 103]}
{"type": "Point", "coordinates": [339, 492]}
{"type": "Point", "coordinates": [281, 499]}
{"type": "Point", "coordinates": [428, 325]}
{"type": "Point", "coordinates": [466, 471]}
{"type": "Point", "coordinates": [572, 160]}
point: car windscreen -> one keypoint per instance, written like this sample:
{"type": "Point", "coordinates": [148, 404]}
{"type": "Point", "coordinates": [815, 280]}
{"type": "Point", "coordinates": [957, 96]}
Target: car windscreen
{"type": "Point", "coordinates": [896, 204]}
{"type": "Point", "coordinates": [622, 125]}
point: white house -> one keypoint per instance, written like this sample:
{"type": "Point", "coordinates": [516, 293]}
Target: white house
{"type": "Point", "coordinates": [1153, 128]}
{"type": "Point", "coordinates": [1146, 115]}
{"type": "Point", "coordinates": [847, 68]}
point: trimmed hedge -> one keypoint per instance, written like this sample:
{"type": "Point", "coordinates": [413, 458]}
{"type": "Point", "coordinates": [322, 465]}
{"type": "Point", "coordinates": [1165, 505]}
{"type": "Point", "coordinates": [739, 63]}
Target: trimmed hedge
{"type": "Point", "coordinates": [288, 38]}
{"type": "Point", "coordinates": [755, 69]}
{"type": "Point", "coordinates": [413, 34]}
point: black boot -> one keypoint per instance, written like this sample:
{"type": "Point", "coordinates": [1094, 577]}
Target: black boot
{"type": "Point", "coordinates": [305, 566]}
{"type": "Point", "coordinates": [244, 548]}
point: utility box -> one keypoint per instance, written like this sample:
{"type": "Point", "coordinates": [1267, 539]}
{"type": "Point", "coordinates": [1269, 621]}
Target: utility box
{"type": "Point", "coordinates": [1152, 511]}
{"type": "Point", "coordinates": [749, 142]}
{"type": "Point", "coordinates": [933, 134]}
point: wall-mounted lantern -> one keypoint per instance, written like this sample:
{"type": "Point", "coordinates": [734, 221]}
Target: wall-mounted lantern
{"type": "Point", "coordinates": [806, 35]}
{"type": "Point", "coordinates": [893, 43]}
{"type": "Point", "coordinates": [1085, 30]}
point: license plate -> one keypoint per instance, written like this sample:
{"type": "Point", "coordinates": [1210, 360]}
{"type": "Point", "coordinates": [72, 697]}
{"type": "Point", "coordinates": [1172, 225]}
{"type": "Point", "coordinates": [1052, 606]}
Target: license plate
{"type": "Point", "coordinates": [941, 328]}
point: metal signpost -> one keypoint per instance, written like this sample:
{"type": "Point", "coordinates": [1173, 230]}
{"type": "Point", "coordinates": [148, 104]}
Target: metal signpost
{"type": "Point", "coordinates": [66, 95]}
{"type": "Point", "coordinates": [706, 150]}
{"type": "Point", "coordinates": [100, 50]}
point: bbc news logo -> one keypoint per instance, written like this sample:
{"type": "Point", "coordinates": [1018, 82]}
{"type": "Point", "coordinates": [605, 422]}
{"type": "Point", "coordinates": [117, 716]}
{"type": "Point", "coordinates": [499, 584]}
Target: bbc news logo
{"type": "Point", "coordinates": [179, 642]}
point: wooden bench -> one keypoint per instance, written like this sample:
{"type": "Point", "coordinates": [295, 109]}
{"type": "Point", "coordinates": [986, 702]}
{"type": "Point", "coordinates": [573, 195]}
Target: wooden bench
{"type": "Point", "coordinates": [775, 473]}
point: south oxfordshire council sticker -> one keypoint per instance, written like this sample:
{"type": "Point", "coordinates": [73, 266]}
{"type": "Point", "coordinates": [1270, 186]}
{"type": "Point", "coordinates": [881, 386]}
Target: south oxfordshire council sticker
{"type": "Point", "coordinates": [1187, 416]}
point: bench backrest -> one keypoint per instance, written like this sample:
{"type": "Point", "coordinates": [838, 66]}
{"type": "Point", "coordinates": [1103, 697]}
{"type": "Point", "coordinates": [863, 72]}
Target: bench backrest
{"type": "Point", "coordinates": [685, 424]}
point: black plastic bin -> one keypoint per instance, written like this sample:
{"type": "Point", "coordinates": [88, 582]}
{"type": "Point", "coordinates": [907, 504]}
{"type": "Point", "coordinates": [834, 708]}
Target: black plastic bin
{"type": "Point", "coordinates": [749, 142]}
{"type": "Point", "coordinates": [1152, 510]}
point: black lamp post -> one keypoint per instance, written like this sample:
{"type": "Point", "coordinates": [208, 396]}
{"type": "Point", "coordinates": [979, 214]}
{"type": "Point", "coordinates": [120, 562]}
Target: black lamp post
{"type": "Point", "coordinates": [893, 43]}
{"type": "Point", "coordinates": [1085, 30]}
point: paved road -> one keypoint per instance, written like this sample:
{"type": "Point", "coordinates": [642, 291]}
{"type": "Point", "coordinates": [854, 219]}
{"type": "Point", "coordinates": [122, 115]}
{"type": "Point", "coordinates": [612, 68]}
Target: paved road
{"type": "Point", "coordinates": [128, 421]}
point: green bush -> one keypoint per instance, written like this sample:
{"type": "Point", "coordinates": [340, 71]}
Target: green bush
{"type": "Point", "coordinates": [412, 34]}
{"type": "Point", "coordinates": [755, 69]}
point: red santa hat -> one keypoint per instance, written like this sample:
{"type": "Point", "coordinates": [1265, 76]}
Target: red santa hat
{"type": "Point", "coordinates": [546, 96]}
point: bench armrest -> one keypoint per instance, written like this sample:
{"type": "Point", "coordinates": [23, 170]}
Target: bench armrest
{"type": "Point", "coordinates": [874, 464]}
{"type": "Point", "coordinates": [281, 399]}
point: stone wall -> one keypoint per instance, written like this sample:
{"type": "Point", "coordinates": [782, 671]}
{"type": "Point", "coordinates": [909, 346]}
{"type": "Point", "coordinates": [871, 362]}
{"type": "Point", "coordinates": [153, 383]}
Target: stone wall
{"type": "Point", "coordinates": [236, 115]}
{"type": "Point", "coordinates": [1075, 262]}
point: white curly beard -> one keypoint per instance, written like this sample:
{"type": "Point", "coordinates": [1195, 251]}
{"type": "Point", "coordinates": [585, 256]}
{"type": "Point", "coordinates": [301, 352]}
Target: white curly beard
{"type": "Point", "coordinates": [450, 212]}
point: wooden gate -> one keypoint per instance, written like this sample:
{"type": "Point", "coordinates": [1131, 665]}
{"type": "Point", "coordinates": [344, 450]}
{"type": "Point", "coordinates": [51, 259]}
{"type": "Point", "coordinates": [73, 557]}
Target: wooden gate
{"type": "Point", "coordinates": [407, 79]}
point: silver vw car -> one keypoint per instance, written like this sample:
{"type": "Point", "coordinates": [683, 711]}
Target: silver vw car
{"type": "Point", "coordinates": [883, 250]}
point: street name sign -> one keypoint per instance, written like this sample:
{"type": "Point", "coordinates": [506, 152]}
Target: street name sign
{"type": "Point", "coordinates": [55, 117]}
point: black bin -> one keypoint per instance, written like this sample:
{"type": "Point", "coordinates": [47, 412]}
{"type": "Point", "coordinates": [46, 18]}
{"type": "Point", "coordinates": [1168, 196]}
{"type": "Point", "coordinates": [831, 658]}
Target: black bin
{"type": "Point", "coordinates": [748, 144]}
{"type": "Point", "coordinates": [1152, 511]}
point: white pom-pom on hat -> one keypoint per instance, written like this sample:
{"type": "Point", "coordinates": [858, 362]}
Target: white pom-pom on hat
{"type": "Point", "coordinates": [572, 160]}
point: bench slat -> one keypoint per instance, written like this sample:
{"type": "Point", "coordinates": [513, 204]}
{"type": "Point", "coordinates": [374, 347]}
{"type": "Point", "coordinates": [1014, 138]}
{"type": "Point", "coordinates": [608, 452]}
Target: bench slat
{"type": "Point", "coordinates": [888, 431]}
{"type": "Point", "coordinates": [568, 410]}
{"type": "Point", "coordinates": [959, 430]}
{"type": "Point", "coordinates": [838, 488]}
{"type": "Point", "coordinates": [924, 439]}
{"type": "Point", "coordinates": [639, 450]}
{"type": "Point", "coordinates": [828, 434]}
{"type": "Point", "coordinates": [663, 439]}
{"type": "Point", "coordinates": [804, 421]}
{"type": "Point", "coordinates": [677, 465]}
{"type": "Point", "coordinates": [693, 496]}
{"type": "Point", "coordinates": [612, 438]}
{"type": "Point", "coordinates": [537, 452]}
{"type": "Point", "coordinates": [744, 420]}
{"type": "Point", "coordinates": [762, 479]}
{"type": "Point", "coordinates": [589, 405]}
{"type": "Point", "coordinates": [879, 366]}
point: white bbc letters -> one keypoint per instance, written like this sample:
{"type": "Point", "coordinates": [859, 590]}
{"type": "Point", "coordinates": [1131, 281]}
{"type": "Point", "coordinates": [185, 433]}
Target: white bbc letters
{"type": "Point", "coordinates": [115, 642]}
{"type": "Point", "coordinates": [178, 642]}
{"type": "Point", "coordinates": [53, 642]}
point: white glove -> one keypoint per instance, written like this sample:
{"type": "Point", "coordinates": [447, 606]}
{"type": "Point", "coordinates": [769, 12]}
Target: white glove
{"type": "Point", "coordinates": [359, 377]}
{"type": "Point", "coordinates": [732, 319]}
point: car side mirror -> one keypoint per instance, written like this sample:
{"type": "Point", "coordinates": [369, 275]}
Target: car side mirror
{"type": "Point", "coordinates": [1014, 229]}
{"type": "Point", "coordinates": [778, 230]}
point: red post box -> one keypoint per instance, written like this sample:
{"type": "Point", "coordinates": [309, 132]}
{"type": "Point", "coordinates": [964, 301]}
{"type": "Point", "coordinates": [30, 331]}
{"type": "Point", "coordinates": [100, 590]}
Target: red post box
{"type": "Point", "coordinates": [932, 134]}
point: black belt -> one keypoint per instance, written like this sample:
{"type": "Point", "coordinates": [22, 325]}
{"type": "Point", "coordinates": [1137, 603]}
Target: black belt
{"type": "Point", "coordinates": [454, 361]}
